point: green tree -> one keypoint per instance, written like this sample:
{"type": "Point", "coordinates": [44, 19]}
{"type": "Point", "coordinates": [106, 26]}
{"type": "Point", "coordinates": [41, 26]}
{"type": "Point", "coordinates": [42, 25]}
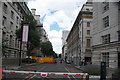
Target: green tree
{"type": "Point", "coordinates": [47, 49]}
{"type": "Point", "coordinates": [60, 55]}
{"type": "Point", "coordinates": [33, 36]}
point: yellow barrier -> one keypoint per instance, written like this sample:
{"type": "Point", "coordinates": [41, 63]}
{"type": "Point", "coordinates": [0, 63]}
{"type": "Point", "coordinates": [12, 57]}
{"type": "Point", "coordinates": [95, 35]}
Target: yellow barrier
{"type": "Point", "coordinates": [44, 59]}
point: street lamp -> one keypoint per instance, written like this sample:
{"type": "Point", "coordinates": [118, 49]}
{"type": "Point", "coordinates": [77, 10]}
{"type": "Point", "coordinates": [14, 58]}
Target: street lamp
{"type": "Point", "coordinates": [20, 42]}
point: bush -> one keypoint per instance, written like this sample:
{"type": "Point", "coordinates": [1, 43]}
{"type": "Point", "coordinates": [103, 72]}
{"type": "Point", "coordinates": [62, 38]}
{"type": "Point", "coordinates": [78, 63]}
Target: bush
{"type": "Point", "coordinates": [117, 72]}
{"type": "Point", "coordinates": [92, 70]}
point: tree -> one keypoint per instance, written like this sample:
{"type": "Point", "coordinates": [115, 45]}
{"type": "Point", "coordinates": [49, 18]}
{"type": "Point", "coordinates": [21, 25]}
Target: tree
{"type": "Point", "coordinates": [60, 55]}
{"type": "Point", "coordinates": [33, 37]}
{"type": "Point", "coordinates": [47, 49]}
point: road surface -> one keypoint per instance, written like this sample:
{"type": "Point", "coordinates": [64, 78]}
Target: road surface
{"type": "Point", "coordinates": [45, 67]}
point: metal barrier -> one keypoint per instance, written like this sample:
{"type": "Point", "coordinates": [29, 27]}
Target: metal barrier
{"type": "Point", "coordinates": [45, 74]}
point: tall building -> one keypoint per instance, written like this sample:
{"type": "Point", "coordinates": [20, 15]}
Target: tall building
{"type": "Point", "coordinates": [85, 32]}
{"type": "Point", "coordinates": [64, 44]}
{"type": "Point", "coordinates": [79, 38]}
{"type": "Point", "coordinates": [106, 34]}
{"type": "Point", "coordinates": [12, 16]}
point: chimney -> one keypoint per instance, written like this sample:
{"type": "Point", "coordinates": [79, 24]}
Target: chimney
{"type": "Point", "coordinates": [33, 11]}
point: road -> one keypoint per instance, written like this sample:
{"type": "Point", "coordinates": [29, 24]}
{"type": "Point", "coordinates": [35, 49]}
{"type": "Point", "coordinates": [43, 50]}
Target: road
{"type": "Point", "coordinates": [45, 67]}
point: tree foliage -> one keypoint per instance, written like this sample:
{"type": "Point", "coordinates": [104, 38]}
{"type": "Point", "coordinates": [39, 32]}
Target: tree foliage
{"type": "Point", "coordinates": [33, 36]}
{"type": "Point", "coordinates": [47, 49]}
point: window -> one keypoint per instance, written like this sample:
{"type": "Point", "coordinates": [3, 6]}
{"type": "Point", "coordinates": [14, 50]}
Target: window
{"type": "Point", "coordinates": [105, 58]}
{"type": "Point", "coordinates": [17, 19]}
{"type": "Point", "coordinates": [118, 35]}
{"type": "Point", "coordinates": [12, 14]}
{"type": "Point", "coordinates": [11, 25]}
{"type": "Point", "coordinates": [106, 39]}
{"type": "Point", "coordinates": [88, 24]}
{"type": "Point", "coordinates": [4, 21]}
{"type": "Point", "coordinates": [10, 43]}
{"type": "Point", "coordinates": [87, 9]}
{"type": "Point", "coordinates": [105, 6]}
{"type": "Point", "coordinates": [5, 8]}
{"type": "Point", "coordinates": [88, 32]}
{"type": "Point", "coordinates": [88, 43]}
{"type": "Point", "coordinates": [106, 21]}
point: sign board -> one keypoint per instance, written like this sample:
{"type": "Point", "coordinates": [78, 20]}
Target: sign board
{"type": "Point", "coordinates": [25, 34]}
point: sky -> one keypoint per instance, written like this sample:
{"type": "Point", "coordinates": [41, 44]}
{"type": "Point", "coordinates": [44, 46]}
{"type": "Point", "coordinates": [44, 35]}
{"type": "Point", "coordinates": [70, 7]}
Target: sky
{"type": "Point", "coordinates": [56, 16]}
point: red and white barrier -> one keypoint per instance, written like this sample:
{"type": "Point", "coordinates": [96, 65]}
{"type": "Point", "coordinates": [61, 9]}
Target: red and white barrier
{"type": "Point", "coordinates": [44, 74]}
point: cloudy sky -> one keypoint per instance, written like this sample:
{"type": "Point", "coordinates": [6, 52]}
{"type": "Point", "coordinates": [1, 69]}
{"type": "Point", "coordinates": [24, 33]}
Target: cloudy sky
{"type": "Point", "coordinates": [56, 16]}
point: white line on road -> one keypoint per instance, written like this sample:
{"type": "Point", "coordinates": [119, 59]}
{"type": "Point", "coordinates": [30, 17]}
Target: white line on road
{"type": "Point", "coordinates": [69, 72]}
{"type": "Point", "coordinates": [32, 76]}
{"type": "Point", "coordinates": [28, 76]}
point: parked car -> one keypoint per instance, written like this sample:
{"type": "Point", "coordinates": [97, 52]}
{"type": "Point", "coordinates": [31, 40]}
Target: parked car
{"type": "Point", "coordinates": [28, 60]}
{"type": "Point", "coordinates": [68, 61]}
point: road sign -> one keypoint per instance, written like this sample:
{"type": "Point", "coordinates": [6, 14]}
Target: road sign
{"type": "Point", "coordinates": [44, 74]}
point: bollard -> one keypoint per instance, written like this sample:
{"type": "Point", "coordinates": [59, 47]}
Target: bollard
{"type": "Point", "coordinates": [84, 76]}
{"type": "Point", "coordinates": [87, 77]}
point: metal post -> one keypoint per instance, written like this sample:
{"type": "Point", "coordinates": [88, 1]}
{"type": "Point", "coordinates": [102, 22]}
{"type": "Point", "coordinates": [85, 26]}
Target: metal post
{"type": "Point", "coordinates": [20, 44]}
{"type": "Point", "coordinates": [20, 52]}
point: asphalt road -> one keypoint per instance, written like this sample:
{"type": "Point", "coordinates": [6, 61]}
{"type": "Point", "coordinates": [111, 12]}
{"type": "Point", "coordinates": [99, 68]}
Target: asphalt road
{"type": "Point", "coordinates": [45, 67]}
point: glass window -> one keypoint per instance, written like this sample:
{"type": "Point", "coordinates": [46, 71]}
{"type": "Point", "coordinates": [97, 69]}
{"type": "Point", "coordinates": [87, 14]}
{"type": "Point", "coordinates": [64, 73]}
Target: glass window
{"type": "Point", "coordinates": [12, 14]}
{"type": "Point", "coordinates": [17, 20]}
{"type": "Point", "coordinates": [88, 32]}
{"type": "Point", "coordinates": [106, 39]}
{"type": "Point", "coordinates": [88, 24]}
{"type": "Point", "coordinates": [106, 21]}
{"type": "Point", "coordinates": [105, 6]}
{"type": "Point", "coordinates": [5, 8]}
{"type": "Point", "coordinates": [11, 25]}
{"type": "Point", "coordinates": [105, 58]}
{"type": "Point", "coordinates": [4, 21]}
{"type": "Point", "coordinates": [88, 43]}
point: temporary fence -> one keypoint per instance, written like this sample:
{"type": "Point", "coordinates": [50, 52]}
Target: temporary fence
{"type": "Point", "coordinates": [85, 76]}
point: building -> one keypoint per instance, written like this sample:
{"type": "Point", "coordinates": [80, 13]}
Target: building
{"type": "Point", "coordinates": [106, 34]}
{"type": "Point", "coordinates": [85, 32]}
{"type": "Point", "coordinates": [79, 38]}
{"type": "Point", "coordinates": [12, 17]}
{"type": "Point", "coordinates": [41, 31]}
{"type": "Point", "coordinates": [39, 27]}
{"type": "Point", "coordinates": [64, 44]}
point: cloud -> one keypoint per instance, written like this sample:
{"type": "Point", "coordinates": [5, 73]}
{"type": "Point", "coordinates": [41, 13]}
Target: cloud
{"type": "Point", "coordinates": [61, 12]}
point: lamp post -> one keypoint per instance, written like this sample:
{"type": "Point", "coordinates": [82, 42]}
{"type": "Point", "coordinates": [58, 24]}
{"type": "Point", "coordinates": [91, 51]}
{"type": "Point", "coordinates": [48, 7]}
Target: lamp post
{"type": "Point", "coordinates": [20, 43]}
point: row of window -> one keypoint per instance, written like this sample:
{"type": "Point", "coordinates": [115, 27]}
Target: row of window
{"type": "Point", "coordinates": [105, 6]}
{"type": "Point", "coordinates": [106, 38]}
{"type": "Point", "coordinates": [4, 23]}
{"type": "Point", "coordinates": [5, 9]}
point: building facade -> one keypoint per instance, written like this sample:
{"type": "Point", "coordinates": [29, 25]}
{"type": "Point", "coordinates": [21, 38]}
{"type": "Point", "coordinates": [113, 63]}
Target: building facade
{"type": "Point", "coordinates": [79, 38]}
{"type": "Point", "coordinates": [85, 33]}
{"type": "Point", "coordinates": [12, 17]}
{"type": "Point", "coordinates": [106, 34]}
{"type": "Point", "coordinates": [64, 44]}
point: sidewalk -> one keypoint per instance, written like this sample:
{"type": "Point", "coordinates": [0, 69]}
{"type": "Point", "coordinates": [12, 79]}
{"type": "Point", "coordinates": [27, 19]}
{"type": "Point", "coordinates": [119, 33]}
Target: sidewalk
{"type": "Point", "coordinates": [10, 64]}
